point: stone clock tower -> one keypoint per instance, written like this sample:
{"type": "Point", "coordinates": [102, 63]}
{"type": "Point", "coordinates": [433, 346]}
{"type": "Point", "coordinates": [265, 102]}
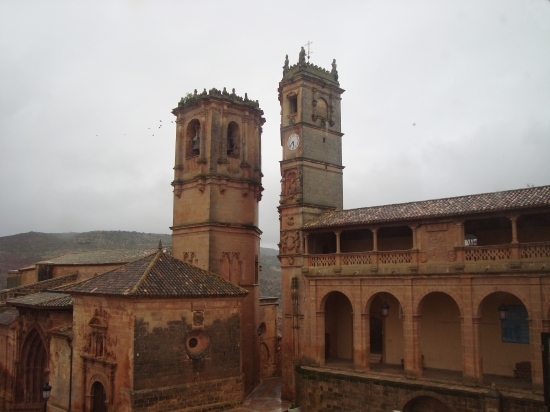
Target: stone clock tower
{"type": "Point", "coordinates": [311, 181]}
{"type": "Point", "coordinates": [217, 187]}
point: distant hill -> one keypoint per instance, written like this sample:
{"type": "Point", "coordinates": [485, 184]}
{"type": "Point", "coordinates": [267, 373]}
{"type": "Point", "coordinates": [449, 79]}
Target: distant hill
{"type": "Point", "coordinates": [25, 248]}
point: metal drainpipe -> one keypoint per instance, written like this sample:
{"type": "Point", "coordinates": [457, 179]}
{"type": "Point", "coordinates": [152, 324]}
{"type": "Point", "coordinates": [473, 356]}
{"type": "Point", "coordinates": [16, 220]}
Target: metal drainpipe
{"type": "Point", "coordinates": [69, 342]}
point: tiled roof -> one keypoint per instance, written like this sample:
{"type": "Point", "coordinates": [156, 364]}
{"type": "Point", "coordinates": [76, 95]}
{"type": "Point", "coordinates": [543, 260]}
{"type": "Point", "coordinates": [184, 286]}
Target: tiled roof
{"type": "Point", "coordinates": [38, 286]}
{"type": "Point", "coordinates": [8, 316]}
{"type": "Point", "coordinates": [437, 208]}
{"type": "Point", "coordinates": [99, 257]}
{"type": "Point", "coordinates": [46, 300]}
{"type": "Point", "coordinates": [159, 275]}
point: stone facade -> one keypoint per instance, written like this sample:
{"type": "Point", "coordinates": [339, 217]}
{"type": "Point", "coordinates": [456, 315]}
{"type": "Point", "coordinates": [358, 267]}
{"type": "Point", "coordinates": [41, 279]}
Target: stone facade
{"type": "Point", "coordinates": [397, 307]}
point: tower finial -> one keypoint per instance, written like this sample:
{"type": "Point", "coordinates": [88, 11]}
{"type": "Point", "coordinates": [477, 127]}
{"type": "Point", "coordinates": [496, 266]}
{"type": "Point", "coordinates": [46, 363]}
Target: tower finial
{"type": "Point", "coordinates": [309, 43]}
{"type": "Point", "coordinates": [302, 57]}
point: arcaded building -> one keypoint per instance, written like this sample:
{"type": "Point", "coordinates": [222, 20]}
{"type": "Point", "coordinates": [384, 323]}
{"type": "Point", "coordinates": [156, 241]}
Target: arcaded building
{"type": "Point", "coordinates": [434, 305]}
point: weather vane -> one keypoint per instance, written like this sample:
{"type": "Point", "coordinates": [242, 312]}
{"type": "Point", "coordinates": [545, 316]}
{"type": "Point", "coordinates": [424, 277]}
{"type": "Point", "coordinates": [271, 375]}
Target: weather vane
{"type": "Point", "coordinates": [308, 52]}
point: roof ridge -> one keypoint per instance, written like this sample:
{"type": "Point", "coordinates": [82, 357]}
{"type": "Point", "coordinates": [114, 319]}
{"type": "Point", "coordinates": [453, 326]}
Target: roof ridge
{"type": "Point", "coordinates": [438, 199]}
{"type": "Point", "coordinates": [146, 273]}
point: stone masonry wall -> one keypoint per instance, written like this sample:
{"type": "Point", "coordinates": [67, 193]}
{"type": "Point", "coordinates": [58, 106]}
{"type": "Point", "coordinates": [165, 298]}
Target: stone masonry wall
{"type": "Point", "coordinates": [331, 391]}
{"type": "Point", "coordinates": [214, 395]}
{"type": "Point", "coordinates": [167, 364]}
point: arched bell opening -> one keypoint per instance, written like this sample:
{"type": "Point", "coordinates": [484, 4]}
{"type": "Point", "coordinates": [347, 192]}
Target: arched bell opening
{"type": "Point", "coordinates": [193, 138]}
{"type": "Point", "coordinates": [233, 139]}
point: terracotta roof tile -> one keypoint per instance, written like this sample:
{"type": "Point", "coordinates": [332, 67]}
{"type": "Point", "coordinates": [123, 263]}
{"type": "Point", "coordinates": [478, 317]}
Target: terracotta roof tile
{"type": "Point", "coordinates": [99, 257]}
{"type": "Point", "coordinates": [437, 208]}
{"type": "Point", "coordinates": [46, 300]}
{"type": "Point", "coordinates": [159, 275]}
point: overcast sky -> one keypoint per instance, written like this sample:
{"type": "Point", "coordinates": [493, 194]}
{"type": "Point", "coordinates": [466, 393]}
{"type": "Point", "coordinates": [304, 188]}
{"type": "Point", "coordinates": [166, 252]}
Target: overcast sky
{"type": "Point", "coordinates": [443, 98]}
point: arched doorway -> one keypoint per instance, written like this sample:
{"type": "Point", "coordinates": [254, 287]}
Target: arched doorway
{"type": "Point", "coordinates": [504, 343]}
{"type": "Point", "coordinates": [440, 332]}
{"type": "Point", "coordinates": [376, 339]}
{"type": "Point", "coordinates": [32, 372]}
{"type": "Point", "coordinates": [338, 328]}
{"type": "Point", "coordinates": [386, 330]}
{"type": "Point", "coordinates": [98, 398]}
{"type": "Point", "coordinates": [425, 404]}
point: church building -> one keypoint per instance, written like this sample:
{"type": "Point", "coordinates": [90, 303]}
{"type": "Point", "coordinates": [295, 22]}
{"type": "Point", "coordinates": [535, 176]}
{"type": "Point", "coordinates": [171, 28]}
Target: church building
{"type": "Point", "coordinates": [154, 330]}
{"type": "Point", "coordinates": [435, 305]}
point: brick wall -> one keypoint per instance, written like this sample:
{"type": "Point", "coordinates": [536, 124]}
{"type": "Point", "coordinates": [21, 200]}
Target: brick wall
{"type": "Point", "coordinates": [216, 395]}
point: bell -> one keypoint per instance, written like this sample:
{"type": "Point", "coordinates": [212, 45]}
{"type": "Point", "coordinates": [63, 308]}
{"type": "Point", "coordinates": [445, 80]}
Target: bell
{"type": "Point", "coordinates": [196, 143]}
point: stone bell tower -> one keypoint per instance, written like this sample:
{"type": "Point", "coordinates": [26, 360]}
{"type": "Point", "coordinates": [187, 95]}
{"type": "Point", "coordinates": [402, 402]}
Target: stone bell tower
{"type": "Point", "coordinates": [311, 184]}
{"type": "Point", "coordinates": [217, 187]}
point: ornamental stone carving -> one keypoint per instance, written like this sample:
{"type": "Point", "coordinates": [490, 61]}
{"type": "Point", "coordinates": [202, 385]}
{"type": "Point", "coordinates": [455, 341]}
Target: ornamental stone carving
{"type": "Point", "coordinates": [290, 242]}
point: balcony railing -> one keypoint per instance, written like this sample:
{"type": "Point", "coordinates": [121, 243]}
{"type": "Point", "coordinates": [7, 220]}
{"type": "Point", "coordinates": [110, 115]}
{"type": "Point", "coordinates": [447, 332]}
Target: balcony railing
{"type": "Point", "coordinates": [462, 255]}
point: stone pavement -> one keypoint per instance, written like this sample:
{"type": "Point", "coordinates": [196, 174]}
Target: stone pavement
{"type": "Point", "coordinates": [265, 398]}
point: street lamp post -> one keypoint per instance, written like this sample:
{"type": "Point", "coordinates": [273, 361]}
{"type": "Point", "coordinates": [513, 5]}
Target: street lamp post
{"type": "Point", "coordinates": [46, 391]}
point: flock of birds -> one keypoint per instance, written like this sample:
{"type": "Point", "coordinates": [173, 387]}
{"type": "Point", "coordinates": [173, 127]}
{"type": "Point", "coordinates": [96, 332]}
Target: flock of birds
{"type": "Point", "coordinates": [160, 127]}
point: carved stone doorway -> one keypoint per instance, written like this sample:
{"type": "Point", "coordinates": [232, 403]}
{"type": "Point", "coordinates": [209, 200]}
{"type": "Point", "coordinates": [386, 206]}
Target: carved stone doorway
{"type": "Point", "coordinates": [98, 393]}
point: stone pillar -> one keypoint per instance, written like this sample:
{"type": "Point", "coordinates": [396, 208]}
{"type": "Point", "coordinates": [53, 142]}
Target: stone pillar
{"type": "Point", "coordinates": [375, 246]}
{"type": "Point", "coordinates": [358, 342]}
{"type": "Point", "coordinates": [338, 260]}
{"type": "Point", "coordinates": [514, 220]}
{"type": "Point", "coordinates": [411, 334]}
{"type": "Point", "coordinates": [472, 373]}
{"type": "Point", "coordinates": [535, 329]}
{"type": "Point", "coordinates": [320, 334]}
{"type": "Point", "coordinates": [306, 247]}
{"type": "Point", "coordinates": [374, 239]}
{"type": "Point", "coordinates": [365, 342]}
{"type": "Point", "coordinates": [414, 231]}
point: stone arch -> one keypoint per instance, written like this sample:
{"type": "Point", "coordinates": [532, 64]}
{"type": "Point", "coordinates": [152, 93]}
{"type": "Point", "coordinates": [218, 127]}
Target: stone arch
{"type": "Point", "coordinates": [503, 344]}
{"type": "Point", "coordinates": [440, 331]}
{"type": "Point", "coordinates": [502, 289]}
{"type": "Point", "coordinates": [32, 368]}
{"type": "Point", "coordinates": [390, 292]}
{"type": "Point", "coordinates": [423, 399]}
{"type": "Point", "coordinates": [323, 301]}
{"type": "Point", "coordinates": [338, 330]}
{"type": "Point", "coordinates": [102, 379]}
{"type": "Point", "coordinates": [452, 294]}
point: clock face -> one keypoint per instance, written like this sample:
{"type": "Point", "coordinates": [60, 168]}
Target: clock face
{"type": "Point", "coordinates": [293, 141]}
